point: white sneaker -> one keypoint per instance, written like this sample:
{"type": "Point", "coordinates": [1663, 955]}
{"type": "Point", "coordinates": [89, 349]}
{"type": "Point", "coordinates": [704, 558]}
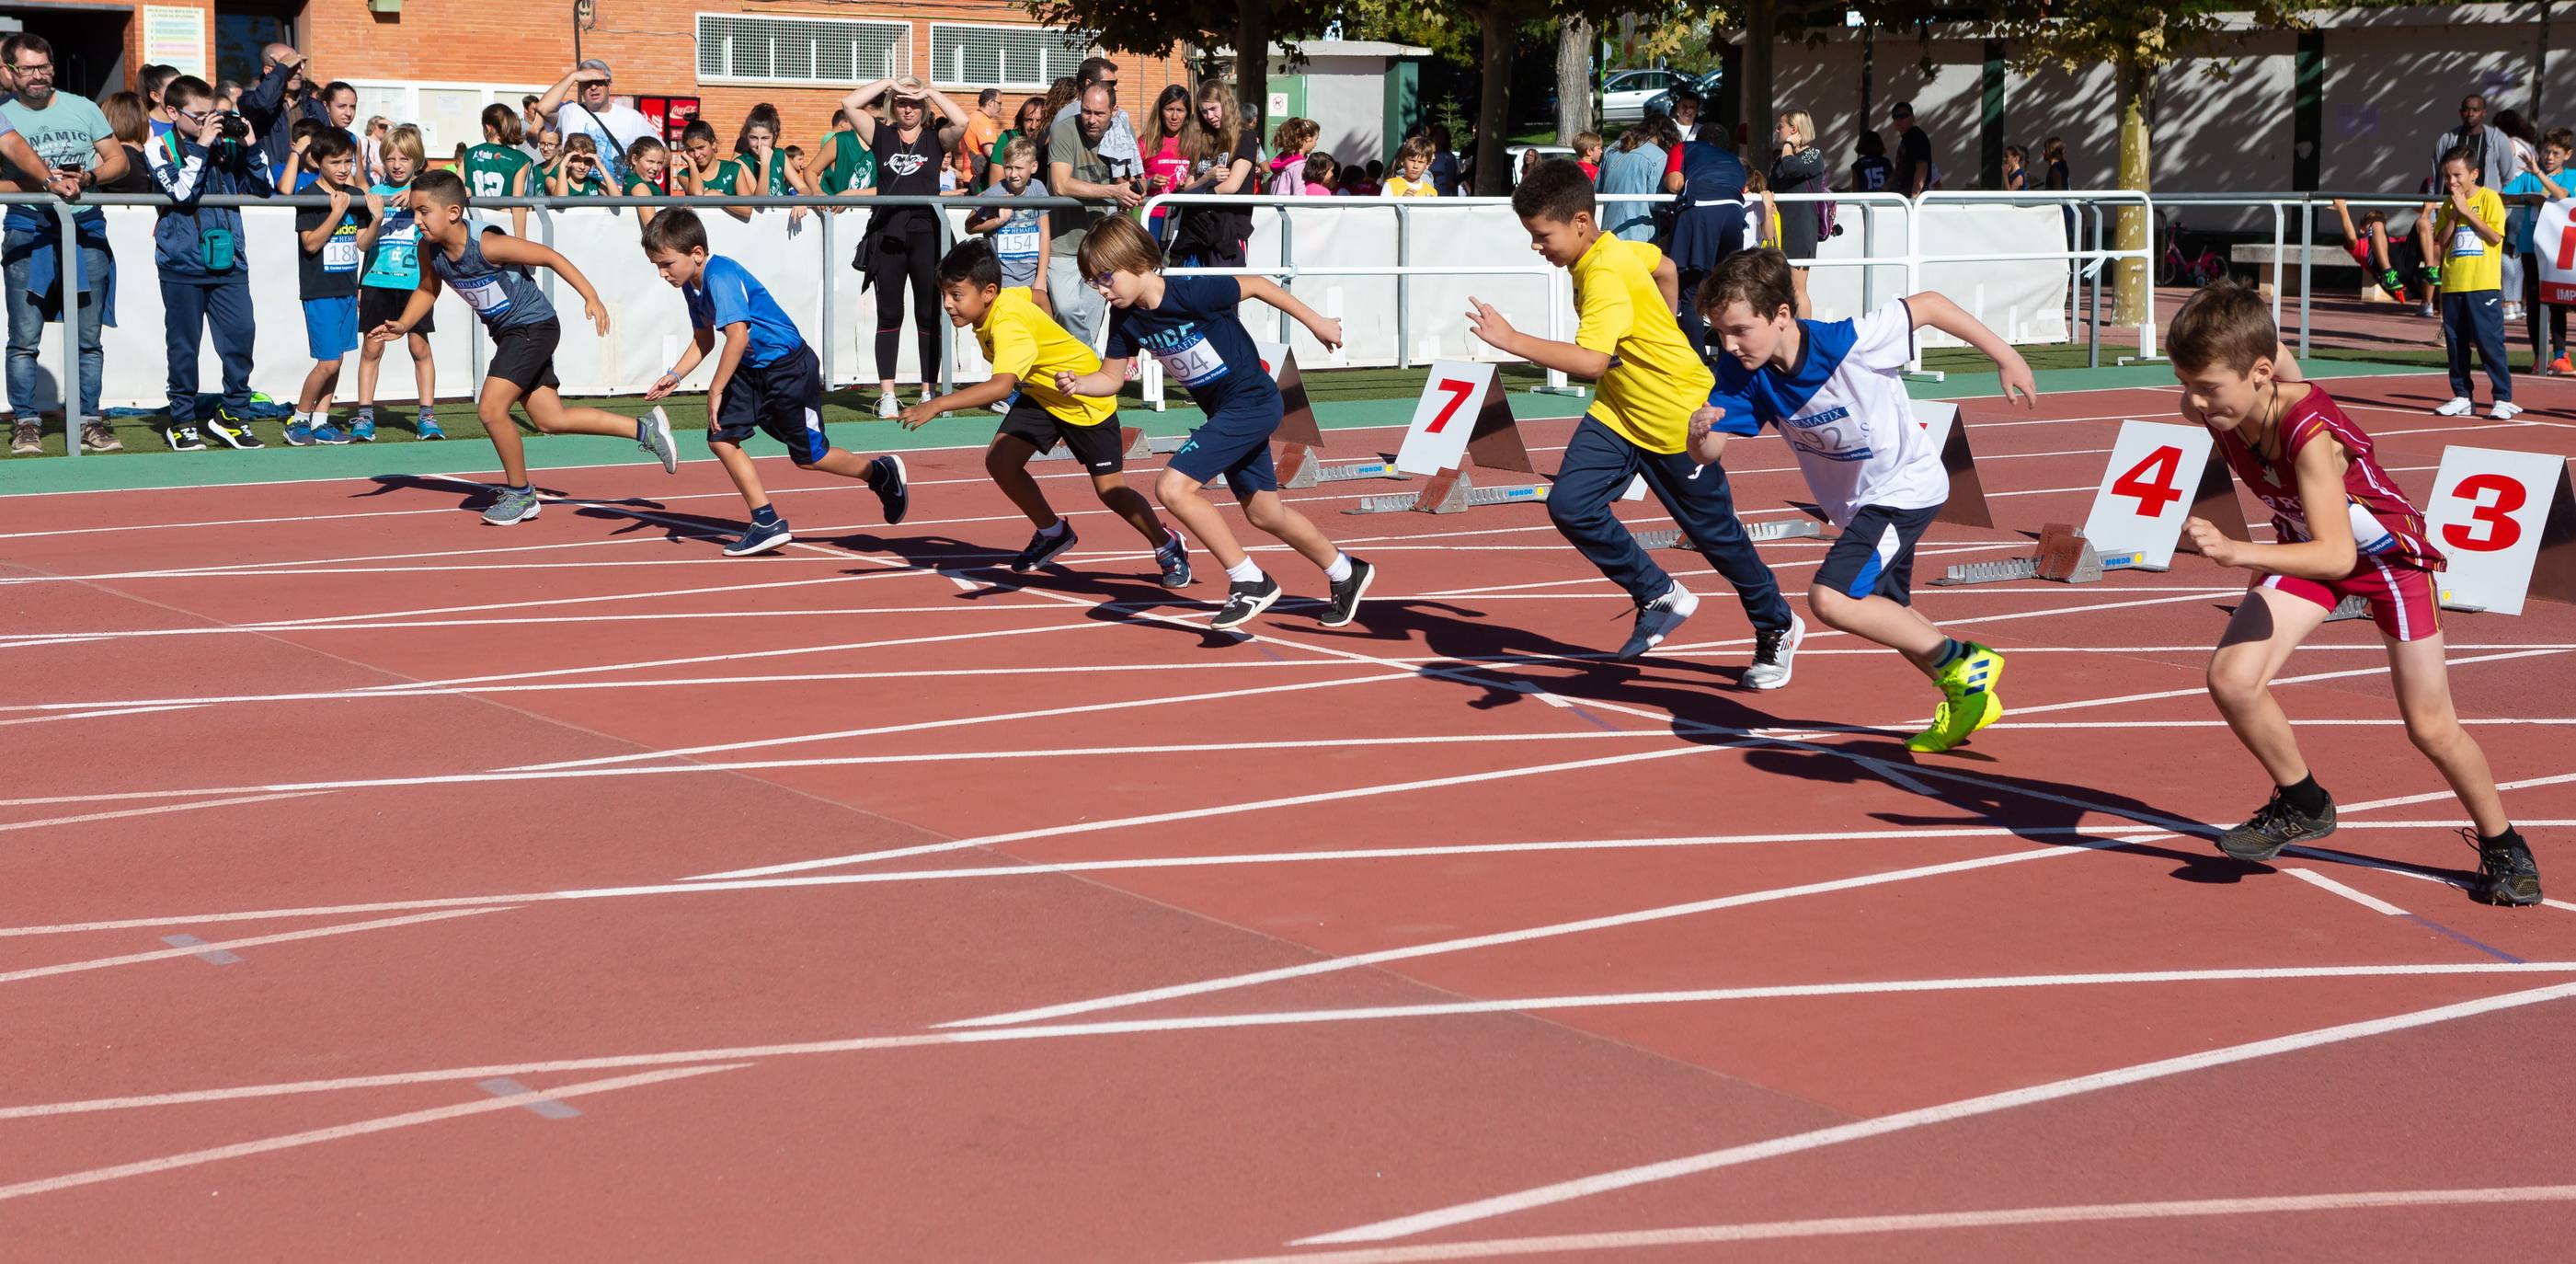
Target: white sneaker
{"type": "Point", "coordinates": [2458, 407]}
{"type": "Point", "coordinates": [2513, 311]}
{"type": "Point", "coordinates": [2504, 410]}
{"type": "Point", "coordinates": [1774, 654]}
{"type": "Point", "coordinates": [1656, 620]}
{"type": "Point", "coordinates": [887, 409]}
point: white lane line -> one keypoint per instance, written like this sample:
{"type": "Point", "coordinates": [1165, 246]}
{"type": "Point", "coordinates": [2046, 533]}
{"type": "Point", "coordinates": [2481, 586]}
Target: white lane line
{"type": "Point", "coordinates": [1239, 1021]}
{"type": "Point", "coordinates": [200, 949]}
{"type": "Point", "coordinates": [89, 817]}
{"type": "Point", "coordinates": [872, 877]}
{"type": "Point", "coordinates": [1921, 1222]}
{"type": "Point", "coordinates": [1902, 1121]}
{"type": "Point", "coordinates": [2371, 902]}
{"type": "Point", "coordinates": [362, 1128]}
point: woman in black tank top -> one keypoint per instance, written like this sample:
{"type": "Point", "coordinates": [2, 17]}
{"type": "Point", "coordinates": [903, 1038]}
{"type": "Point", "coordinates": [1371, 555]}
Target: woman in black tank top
{"type": "Point", "coordinates": [901, 246]}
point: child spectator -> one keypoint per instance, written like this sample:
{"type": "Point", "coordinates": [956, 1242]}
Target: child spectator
{"type": "Point", "coordinates": [2471, 231]}
{"type": "Point", "coordinates": [1836, 391]}
{"type": "Point", "coordinates": [1192, 325]}
{"type": "Point", "coordinates": [500, 167]}
{"type": "Point", "coordinates": [489, 270]}
{"type": "Point", "coordinates": [1289, 144]}
{"type": "Point", "coordinates": [1761, 213]}
{"type": "Point", "coordinates": [1444, 163]}
{"type": "Point", "coordinates": [580, 174]}
{"type": "Point", "coordinates": [1587, 155]}
{"type": "Point", "coordinates": [1870, 168]}
{"type": "Point", "coordinates": [2016, 169]}
{"type": "Point", "coordinates": [767, 379]}
{"type": "Point", "coordinates": [1530, 160]}
{"type": "Point", "coordinates": [2053, 150]}
{"type": "Point", "coordinates": [1019, 233]}
{"type": "Point", "coordinates": [205, 280]}
{"type": "Point", "coordinates": [2341, 529]}
{"type": "Point", "coordinates": [648, 174]}
{"type": "Point", "coordinates": [1358, 181]}
{"type": "Point", "coordinates": [335, 240]}
{"type": "Point", "coordinates": [1413, 175]}
{"type": "Point", "coordinates": [297, 173]}
{"type": "Point", "coordinates": [1173, 145]}
{"type": "Point", "coordinates": [1031, 355]}
{"type": "Point", "coordinates": [2542, 179]}
{"type": "Point", "coordinates": [1650, 379]}
{"type": "Point", "coordinates": [2369, 245]}
{"type": "Point", "coordinates": [708, 175]}
{"type": "Point", "coordinates": [1320, 173]}
{"type": "Point", "coordinates": [1030, 121]}
{"type": "Point", "coordinates": [1213, 236]}
{"type": "Point", "coordinates": [393, 272]}
{"type": "Point", "coordinates": [2518, 217]}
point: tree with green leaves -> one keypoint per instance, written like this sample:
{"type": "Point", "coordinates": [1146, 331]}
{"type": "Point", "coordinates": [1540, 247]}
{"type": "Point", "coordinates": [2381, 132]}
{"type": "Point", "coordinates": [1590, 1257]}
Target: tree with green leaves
{"type": "Point", "coordinates": [1153, 28]}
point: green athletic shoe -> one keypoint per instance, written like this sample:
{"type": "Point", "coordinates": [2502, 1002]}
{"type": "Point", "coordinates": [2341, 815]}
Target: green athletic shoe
{"type": "Point", "coordinates": [1969, 701]}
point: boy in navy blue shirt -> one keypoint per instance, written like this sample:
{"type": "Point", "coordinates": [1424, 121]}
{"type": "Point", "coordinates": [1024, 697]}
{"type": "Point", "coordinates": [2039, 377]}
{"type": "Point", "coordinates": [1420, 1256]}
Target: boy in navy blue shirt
{"type": "Point", "coordinates": [766, 379]}
{"type": "Point", "coordinates": [205, 279]}
{"type": "Point", "coordinates": [335, 240]}
{"type": "Point", "coordinates": [1189, 324]}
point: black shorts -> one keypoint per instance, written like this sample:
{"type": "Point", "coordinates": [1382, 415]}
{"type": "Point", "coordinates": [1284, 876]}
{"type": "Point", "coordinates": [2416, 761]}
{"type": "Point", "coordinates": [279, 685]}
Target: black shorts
{"type": "Point", "coordinates": [1097, 447]}
{"type": "Point", "coordinates": [376, 305]}
{"type": "Point", "coordinates": [524, 355]}
{"type": "Point", "coordinates": [783, 400]}
{"type": "Point", "coordinates": [1875, 553]}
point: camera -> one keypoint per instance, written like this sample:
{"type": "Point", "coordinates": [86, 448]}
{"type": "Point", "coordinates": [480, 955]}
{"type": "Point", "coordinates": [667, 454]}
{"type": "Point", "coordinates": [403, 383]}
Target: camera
{"type": "Point", "coordinates": [230, 125]}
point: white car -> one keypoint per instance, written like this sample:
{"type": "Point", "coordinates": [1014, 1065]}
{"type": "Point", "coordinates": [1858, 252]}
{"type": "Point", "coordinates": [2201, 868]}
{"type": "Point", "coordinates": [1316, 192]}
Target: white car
{"type": "Point", "coordinates": [1519, 156]}
{"type": "Point", "coordinates": [1624, 97]}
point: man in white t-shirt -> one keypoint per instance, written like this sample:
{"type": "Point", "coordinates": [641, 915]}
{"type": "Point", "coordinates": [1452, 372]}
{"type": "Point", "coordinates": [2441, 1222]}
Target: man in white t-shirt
{"type": "Point", "coordinates": [580, 105]}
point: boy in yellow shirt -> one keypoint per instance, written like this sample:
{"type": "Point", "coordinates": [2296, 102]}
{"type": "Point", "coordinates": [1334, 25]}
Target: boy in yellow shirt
{"type": "Point", "coordinates": [1027, 350]}
{"type": "Point", "coordinates": [1413, 162]}
{"type": "Point", "coordinates": [2470, 236]}
{"type": "Point", "coordinates": [1651, 381]}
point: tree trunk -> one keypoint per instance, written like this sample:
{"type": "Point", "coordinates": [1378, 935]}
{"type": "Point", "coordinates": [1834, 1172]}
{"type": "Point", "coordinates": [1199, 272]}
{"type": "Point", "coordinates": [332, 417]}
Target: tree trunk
{"type": "Point", "coordinates": [1573, 79]}
{"type": "Point", "coordinates": [2134, 292]}
{"type": "Point", "coordinates": [1494, 104]}
{"type": "Point", "coordinates": [1759, 25]}
{"type": "Point", "coordinates": [1252, 63]}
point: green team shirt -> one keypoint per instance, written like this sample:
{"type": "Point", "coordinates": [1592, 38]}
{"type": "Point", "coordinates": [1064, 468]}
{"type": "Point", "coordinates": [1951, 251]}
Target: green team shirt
{"type": "Point", "coordinates": [491, 170]}
{"type": "Point", "coordinates": [720, 182]}
{"type": "Point", "coordinates": [853, 166]}
{"type": "Point", "coordinates": [779, 184]}
{"type": "Point", "coordinates": [591, 186]}
{"type": "Point", "coordinates": [638, 186]}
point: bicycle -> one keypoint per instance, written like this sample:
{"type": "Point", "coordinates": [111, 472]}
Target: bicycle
{"type": "Point", "coordinates": [2174, 268]}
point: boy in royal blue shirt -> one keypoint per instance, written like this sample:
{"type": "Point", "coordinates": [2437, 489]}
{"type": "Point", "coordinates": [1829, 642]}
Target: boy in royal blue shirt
{"type": "Point", "coordinates": [1189, 324]}
{"type": "Point", "coordinates": [766, 379]}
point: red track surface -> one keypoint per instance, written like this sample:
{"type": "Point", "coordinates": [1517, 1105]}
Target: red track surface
{"type": "Point", "coordinates": [1061, 806]}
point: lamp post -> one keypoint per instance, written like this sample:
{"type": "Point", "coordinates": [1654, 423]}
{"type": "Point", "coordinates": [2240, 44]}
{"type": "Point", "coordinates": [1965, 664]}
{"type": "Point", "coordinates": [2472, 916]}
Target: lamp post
{"type": "Point", "coordinates": [585, 17]}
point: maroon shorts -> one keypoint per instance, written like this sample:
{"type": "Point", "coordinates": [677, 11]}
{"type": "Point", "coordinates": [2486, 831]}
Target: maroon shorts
{"type": "Point", "coordinates": [2402, 599]}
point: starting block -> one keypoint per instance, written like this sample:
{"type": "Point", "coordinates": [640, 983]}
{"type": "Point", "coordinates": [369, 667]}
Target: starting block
{"type": "Point", "coordinates": [1758, 532]}
{"type": "Point", "coordinates": [2063, 556]}
{"type": "Point", "coordinates": [1300, 438]}
{"type": "Point", "coordinates": [1136, 445]}
{"type": "Point", "coordinates": [1434, 447]}
{"type": "Point", "coordinates": [2349, 608]}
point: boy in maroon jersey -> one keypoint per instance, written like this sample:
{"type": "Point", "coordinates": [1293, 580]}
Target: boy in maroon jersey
{"type": "Point", "coordinates": [2343, 530]}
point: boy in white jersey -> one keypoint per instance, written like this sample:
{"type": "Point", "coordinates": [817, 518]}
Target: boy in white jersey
{"type": "Point", "coordinates": [1832, 389]}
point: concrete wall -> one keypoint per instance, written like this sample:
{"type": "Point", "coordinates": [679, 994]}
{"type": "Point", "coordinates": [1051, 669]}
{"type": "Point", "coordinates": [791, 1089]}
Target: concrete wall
{"type": "Point", "coordinates": [1346, 96]}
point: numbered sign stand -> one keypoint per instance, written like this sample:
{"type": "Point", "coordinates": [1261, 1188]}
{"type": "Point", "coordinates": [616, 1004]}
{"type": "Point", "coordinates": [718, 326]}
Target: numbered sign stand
{"type": "Point", "coordinates": [2142, 501]}
{"type": "Point", "coordinates": [1300, 437]}
{"type": "Point", "coordinates": [2214, 501]}
{"type": "Point", "coordinates": [1438, 447]}
{"type": "Point", "coordinates": [2506, 525]}
{"type": "Point", "coordinates": [1967, 504]}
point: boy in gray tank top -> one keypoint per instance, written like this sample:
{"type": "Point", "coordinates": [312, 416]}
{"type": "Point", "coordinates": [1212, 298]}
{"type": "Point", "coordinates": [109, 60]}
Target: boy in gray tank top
{"type": "Point", "coordinates": [488, 268]}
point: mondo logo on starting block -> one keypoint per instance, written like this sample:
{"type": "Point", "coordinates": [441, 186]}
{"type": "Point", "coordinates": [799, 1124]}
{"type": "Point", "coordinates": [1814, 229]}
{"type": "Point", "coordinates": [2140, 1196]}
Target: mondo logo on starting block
{"type": "Point", "coordinates": [2506, 525]}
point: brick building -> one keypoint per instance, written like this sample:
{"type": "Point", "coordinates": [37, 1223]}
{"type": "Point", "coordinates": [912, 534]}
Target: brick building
{"type": "Point", "coordinates": [438, 62]}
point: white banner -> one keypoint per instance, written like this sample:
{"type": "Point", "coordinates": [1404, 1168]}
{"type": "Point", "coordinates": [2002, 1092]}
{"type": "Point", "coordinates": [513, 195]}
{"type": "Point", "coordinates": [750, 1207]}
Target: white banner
{"type": "Point", "coordinates": [2553, 241]}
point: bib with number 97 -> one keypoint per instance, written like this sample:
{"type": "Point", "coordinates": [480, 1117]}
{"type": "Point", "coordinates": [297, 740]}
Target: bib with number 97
{"type": "Point", "coordinates": [485, 296]}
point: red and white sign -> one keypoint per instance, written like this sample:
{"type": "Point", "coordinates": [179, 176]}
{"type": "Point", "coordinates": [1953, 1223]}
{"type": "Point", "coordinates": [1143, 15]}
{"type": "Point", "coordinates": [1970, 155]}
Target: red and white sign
{"type": "Point", "coordinates": [2489, 516]}
{"type": "Point", "coordinates": [2553, 238]}
{"type": "Point", "coordinates": [2147, 491]}
{"type": "Point", "coordinates": [1445, 416]}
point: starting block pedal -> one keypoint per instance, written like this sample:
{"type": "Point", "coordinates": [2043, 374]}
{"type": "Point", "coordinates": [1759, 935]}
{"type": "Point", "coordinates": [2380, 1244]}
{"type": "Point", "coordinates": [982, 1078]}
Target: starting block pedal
{"type": "Point", "coordinates": [1448, 492]}
{"type": "Point", "coordinates": [1758, 532]}
{"type": "Point", "coordinates": [2349, 608]}
{"type": "Point", "coordinates": [1299, 467]}
{"type": "Point", "coordinates": [2064, 556]}
{"type": "Point", "coordinates": [1136, 446]}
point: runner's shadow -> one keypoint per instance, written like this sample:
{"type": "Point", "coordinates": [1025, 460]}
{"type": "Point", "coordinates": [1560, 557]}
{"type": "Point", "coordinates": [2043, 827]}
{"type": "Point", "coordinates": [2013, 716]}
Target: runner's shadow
{"type": "Point", "coordinates": [1130, 598]}
{"type": "Point", "coordinates": [2037, 809]}
{"type": "Point", "coordinates": [2462, 880]}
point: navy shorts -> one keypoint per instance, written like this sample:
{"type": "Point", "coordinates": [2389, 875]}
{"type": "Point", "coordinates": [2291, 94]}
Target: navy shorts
{"type": "Point", "coordinates": [783, 400]}
{"type": "Point", "coordinates": [1235, 445]}
{"type": "Point", "coordinates": [1875, 553]}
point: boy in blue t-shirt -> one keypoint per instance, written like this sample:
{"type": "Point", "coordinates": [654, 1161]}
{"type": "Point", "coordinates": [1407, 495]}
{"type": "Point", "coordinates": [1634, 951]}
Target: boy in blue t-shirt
{"type": "Point", "coordinates": [393, 272]}
{"type": "Point", "coordinates": [1189, 324]}
{"type": "Point", "coordinates": [335, 241]}
{"type": "Point", "coordinates": [2548, 328]}
{"type": "Point", "coordinates": [766, 379]}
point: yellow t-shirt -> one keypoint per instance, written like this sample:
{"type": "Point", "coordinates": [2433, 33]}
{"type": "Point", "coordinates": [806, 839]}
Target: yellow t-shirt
{"type": "Point", "coordinates": [1026, 343]}
{"type": "Point", "coordinates": [1398, 186]}
{"type": "Point", "coordinates": [1655, 380]}
{"type": "Point", "coordinates": [2470, 262]}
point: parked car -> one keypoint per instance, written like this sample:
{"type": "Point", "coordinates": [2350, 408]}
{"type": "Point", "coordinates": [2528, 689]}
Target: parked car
{"type": "Point", "coordinates": [1706, 86]}
{"type": "Point", "coordinates": [1626, 96]}
{"type": "Point", "coordinates": [1545, 152]}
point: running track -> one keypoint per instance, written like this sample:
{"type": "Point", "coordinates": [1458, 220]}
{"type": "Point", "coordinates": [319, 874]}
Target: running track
{"type": "Point", "coordinates": [375, 885]}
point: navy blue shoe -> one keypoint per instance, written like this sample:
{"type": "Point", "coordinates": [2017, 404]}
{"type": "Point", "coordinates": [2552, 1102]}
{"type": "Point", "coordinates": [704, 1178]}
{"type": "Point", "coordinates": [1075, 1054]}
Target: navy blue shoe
{"type": "Point", "coordinates": [1174, 558]}
{"type": "Point", "coordinates": [895, 493]}
{"type": "Point", "coordinates": [760, 539]}
{"type": "Point", "coordinates": [1044, 548]}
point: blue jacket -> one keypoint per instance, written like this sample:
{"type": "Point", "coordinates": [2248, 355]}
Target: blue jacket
{"type": "Point", "coordinates": [264, 104]}
{"type": "Point", "coordinates": [186, 173]}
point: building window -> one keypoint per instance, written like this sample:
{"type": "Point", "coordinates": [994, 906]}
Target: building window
{"type": "Point", "coordinates": [448, 114]}
{"type": "Point", "coordinates": [736, 49]}
{"type": "Point", "coordinates": [1004, 56]}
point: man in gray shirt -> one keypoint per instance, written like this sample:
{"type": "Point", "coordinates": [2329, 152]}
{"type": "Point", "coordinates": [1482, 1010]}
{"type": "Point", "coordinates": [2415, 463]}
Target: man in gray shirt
{"type": "Point", "coordinates": [1118, 144]}
{"type": "Point", "coordinates": [2492, 155]}
{"type": "Point", "coordinates": [1077, 168]}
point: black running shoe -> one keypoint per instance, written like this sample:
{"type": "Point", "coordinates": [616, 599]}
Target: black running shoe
{"type": "Point", "coordinates": [233, 429]}
{"type": "Point", "coordinates": [2506, 872]}
{"type": "Point", "coordinates": [1244, 601]}
{"type": "Point", "coordinates": [1043, 548]}
{"type": "Point", "coordinates": [2275, 826]}
{"type": "Point", "coordinates": [1347, 594]}
{"type": "Point", "coordinates": [182, 437]}
{"type": "Point", "coordinates": [895, 493]}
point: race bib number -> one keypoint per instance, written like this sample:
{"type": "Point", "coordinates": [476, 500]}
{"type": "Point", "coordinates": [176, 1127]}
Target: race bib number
{"type": "Point", "coordinates": [484, 295]}
{"type": "Point", "coordinates": [1834, 434]}
{"type": "Point", "coordinates": [2466, 244]}
{"type": "Point", "coordinates": [1194, 362]}
{"type": "Point", "coordinates": [340, 254]}
{"type": "Point", "coordinates": [1017, 240]}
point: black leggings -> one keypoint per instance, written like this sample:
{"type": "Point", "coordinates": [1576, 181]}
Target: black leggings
{"type": "Point", "coordinates": [892, 260]}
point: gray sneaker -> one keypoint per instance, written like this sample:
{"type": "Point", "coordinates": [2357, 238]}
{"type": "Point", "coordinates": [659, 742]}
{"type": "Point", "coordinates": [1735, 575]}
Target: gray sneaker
{"type": "Point", "coordinates": [653, 434]}
{"type": "Point", "coordinates": [25, 438]}
{"type": "Point", "coordinates": [1775, 654]}
{"type": "Point", "coordinates": [514, 506]}
{"type": "Point", "coordinates": [1656, 620]}
{"type": "Point", "coordinates": [97, 437]}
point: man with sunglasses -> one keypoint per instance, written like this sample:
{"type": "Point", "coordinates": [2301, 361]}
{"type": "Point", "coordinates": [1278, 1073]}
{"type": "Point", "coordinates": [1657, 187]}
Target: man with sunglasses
{"type": "Point", "coordinates": [580, 104]}
{"type": "Point", "coordinates": [73, 149]}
